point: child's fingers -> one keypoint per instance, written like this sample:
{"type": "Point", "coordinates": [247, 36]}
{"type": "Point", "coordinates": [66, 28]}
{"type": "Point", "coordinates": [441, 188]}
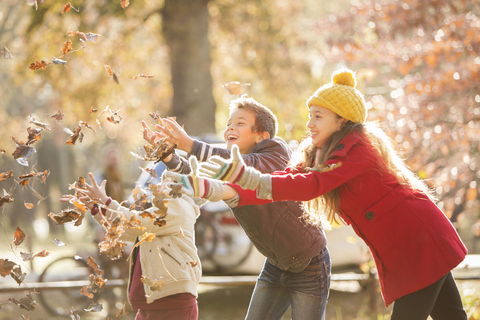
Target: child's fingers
{"type": "Point", "coordinates": [207, 173]}
{"type": "Point", "coordinates": [173, 124]}
{"type": "Point", "coordinates": [168, 174]}
{"type": "Point", "coordinates": [193, 164]}
{"type": "Point", "coordinates": [92, 179]}
{"type": "Point", "coordinates": [217, 161]}
{"type": "Point", "coordinates": [236, 156]}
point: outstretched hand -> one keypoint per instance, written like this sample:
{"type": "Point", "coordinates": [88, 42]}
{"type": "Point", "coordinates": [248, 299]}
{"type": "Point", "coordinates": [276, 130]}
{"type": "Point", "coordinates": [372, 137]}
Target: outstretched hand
{"type": "Point", "coordinates": [149, 135]}
{"type": "Point", "coordinates": [195, 186]}
{"type": "Point", "coordinates": [93, 191]}
{"type": "Point", "coordinates": [233, 170]}
{"type": "Point", "coordinates": [175, 134]}
{"type": "Point", "coordinates": [224, 169]}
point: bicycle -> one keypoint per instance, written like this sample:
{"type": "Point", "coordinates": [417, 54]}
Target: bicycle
{"type": "Point", "coordinates": [219, 238]}
{"type": "Point", "coordinates": [75, 268]}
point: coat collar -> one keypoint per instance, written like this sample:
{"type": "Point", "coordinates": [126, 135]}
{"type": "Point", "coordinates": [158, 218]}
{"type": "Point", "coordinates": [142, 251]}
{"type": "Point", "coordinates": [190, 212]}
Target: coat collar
{"type": "Point", "coordinates": [347, 143]}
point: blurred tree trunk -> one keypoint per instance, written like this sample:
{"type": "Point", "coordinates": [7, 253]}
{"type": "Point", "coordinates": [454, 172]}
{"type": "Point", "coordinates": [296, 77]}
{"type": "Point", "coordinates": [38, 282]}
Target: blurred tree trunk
{"type": "Point", "coordinates": [185, 29]}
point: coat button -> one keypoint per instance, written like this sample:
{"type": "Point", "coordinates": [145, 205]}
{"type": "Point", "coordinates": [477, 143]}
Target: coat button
{"type": "Point", "coordinates": [340, 146]}
{"type": "Point", "coordinates": [369, 215]}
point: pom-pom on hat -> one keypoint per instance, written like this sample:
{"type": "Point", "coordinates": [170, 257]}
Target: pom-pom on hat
{"type": "Point", "coordinates": [341, 97]}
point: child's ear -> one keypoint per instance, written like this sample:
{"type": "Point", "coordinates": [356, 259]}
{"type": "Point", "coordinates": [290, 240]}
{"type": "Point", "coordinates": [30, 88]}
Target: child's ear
{"type": "Point", "coordinates": [262, 136]}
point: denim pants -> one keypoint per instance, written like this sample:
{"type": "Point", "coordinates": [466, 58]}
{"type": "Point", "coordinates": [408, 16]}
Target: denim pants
{"type": "Point", "coordinates": [277, 289]}
{"type": "Point", "coordinates": [441, 300]}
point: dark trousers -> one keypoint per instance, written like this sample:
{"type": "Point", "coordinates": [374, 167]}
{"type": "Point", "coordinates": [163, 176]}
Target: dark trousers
{"type": "Point", "coordinates": [440, 300]}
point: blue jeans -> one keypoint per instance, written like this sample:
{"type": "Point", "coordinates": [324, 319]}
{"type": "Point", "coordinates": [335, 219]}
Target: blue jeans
{"type": "Point", "coordinates": [277, 289]}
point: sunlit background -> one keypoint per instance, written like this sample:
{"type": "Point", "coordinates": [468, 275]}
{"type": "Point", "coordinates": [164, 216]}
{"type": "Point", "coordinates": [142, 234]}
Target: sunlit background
{"type": "Point", "coordinates": [417, 62]}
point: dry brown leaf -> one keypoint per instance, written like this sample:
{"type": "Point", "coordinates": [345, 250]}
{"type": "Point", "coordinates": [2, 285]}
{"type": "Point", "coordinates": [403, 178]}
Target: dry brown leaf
{"type": "Point", "coordinates": [111, 73]}
{"type": "Point", "coordinates": [86, 292]}
{"type": "Point", "coordinates": [6, 267]}
{"type": "Point", "coordinates": [33, 3]}
{"type": "Point", "coordinates": [124, 3]}
{"type": "Point", "coordinates": [6, 53]}
{"type": "Point", "coordinates": [66, 47]}
{"type": "Point", "coordinates": [154, 284]}
{"type": "Point", "coordinates": [29, 205]}
{"type": "Point", "coordinates": [6, 175]}
{"type": "Point", "coordinates": [141, 75]}
{"type": "Point", "coordinates": [67, 8]}
{"type": "Point", "coordinates": [26, 303]}
{"type": "Point", "coordinates": [57, 116]}
{"type": "Point", "coordinates": [95, 267]}
{"type": "Point", "coordinates": [38, 65]}
{"type": "Point", "coordinates": [17, 274]}
{"type": "Point", "coordinates": [235, 87]}
{"type": "Point", "coordinates": [6, 198]}
{"type": "Point", "coordinates": [59, 243]}
{"type": "Point", "coordinates": [40, 124]}
{"type": "Point", "coordinates": [18, 237]}
{"type": "Point", "coordinates": [74, 136]}
{"type": "Point", "coordinates": [67, 215]}
{"type": "Point", "coordinates": [147, 236]}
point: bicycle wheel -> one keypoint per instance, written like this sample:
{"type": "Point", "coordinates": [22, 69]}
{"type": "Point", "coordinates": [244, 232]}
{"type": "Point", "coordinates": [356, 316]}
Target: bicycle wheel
{"type": "Point", "coordinates": [205, 238]}
{"type": "Point", "coordinates": [59, 301]}
{"type": "Point", "coordinates": [232, 247]}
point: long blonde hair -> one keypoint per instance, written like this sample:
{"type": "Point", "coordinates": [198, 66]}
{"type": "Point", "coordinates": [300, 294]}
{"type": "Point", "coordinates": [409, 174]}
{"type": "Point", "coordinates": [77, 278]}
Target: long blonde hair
{"type": "Point", "coordinates": [325, 207]}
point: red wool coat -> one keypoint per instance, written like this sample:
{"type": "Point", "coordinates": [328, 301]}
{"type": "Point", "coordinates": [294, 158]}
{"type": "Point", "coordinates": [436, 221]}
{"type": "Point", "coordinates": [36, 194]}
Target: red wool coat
{"type": "Point", "coordinates": [412, 241]}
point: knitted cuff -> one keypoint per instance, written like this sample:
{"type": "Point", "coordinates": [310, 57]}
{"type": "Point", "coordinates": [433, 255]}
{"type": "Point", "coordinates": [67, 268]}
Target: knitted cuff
{"type": "Point", "coordinates": [233, 203]}
{"type": "Point", "coordinates": [216, 191]}
{"type": "Point", "coordinates": [94, 210]}
{"type": "Point", "coordinates": [265, 191]}
{"type": "Point", "coordinates": [249, 179]}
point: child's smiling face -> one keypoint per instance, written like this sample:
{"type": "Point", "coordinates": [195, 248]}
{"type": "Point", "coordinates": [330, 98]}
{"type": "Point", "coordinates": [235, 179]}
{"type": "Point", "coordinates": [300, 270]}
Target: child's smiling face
{"type": "Point", "coordinates": [323, 123]}
{"type": "Point", "coordinates": [240, 131]}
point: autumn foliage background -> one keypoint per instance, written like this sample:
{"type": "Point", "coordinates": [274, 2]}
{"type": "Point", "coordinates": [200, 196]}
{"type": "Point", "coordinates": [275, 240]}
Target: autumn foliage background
{"type": "Point", "coordinates": [417, 62]}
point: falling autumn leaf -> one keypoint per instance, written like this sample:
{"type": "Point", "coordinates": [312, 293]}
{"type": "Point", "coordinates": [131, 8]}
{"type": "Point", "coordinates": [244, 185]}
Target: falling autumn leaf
{"type": "Point", "coordinates": [57, 116]}
{"type": "Point", "coordinates": [38, 65]}
{"type": "Point", "coordinates": [17, 274]}
{"type": "Point", "coordinates": [33, 3]}
{"type": "Point", "coordinates": [6, 53]}
{"type": "Point", "coordinates": [94, 306]}
{"type": "Point", "coordinates": [66, 47]}
{"type": "Point", "coordinates": [18, 237]}
{"type": "Point", "coordinates": [26, 256]}
{"type": "Point", "coordinates": [67, 8]}
{"type": "Point", "coordinates": [74, 136]}
{"type": "Point", "coordinates": [141, 75]}
{"type": "Point", "coordinates": [154, 284]}
{"type": "Point", "coordinates": [124, 3]}
{"type": "Point", "coordinates": [22, 152]}
{"type": "Point", "coordinates": [59, 243]}
{"type": "Point", "coordinates": [29, 205]}
{"type": "Point", "coordinates": [111, 73]}
{"type": "Point", "coordinates": [26, 303]}
{"type": "Point", "coordinates": [6, 267]}
{"type": "Point", "coordinates": [6, 175]}
{"type": "Point", "coordinates": [84, 37]}
{"type": "Point", "coordinates": [235, 87]}
{"type": "Point", "coordinates": [40, 124]}
{"type": "Point", "coordinates": [6, 198]}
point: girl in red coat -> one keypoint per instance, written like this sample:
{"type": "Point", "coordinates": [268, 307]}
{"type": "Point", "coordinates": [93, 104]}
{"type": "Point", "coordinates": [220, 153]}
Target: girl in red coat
{"type": "Point", "coordinates": [349, 168]}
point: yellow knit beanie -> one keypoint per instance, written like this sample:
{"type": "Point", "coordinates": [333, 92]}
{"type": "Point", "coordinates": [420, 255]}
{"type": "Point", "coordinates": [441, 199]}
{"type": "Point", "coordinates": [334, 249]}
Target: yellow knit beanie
{"type": "Point", "coordinates": [341, 97]}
